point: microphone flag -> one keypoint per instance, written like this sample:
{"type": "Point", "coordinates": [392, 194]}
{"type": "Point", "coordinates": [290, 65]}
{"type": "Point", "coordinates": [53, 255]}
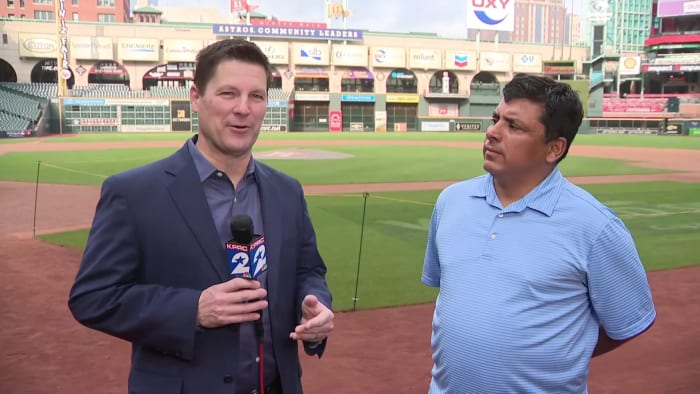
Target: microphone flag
{"type": "Point", "coordinates": [258, 257]}
{"type": "Point", "coordinates": [246, 253]}
{"type": "Point", "coordinates": [238, 260]}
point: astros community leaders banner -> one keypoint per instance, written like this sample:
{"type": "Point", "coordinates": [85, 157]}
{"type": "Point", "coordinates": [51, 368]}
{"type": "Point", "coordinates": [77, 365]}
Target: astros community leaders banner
{"type": "Point", "coordinates": [287, 32]}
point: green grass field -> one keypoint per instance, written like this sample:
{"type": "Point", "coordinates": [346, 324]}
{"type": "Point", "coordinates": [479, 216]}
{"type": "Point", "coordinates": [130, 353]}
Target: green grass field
{"type": "Point", "coordinates": [369, 164]}
{"type": "Point", "coordinates": [654, 141]}
{"type": "Point", "coordinates": [663, 216]}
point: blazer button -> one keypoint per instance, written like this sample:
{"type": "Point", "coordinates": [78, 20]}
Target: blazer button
{"type": "Point", "coordinates": [228, 379]}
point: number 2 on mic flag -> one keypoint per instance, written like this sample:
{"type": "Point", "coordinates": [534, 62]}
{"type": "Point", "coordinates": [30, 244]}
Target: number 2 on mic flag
{"type": "Point", "coordinates": [258, 255]}
{"type": "Point", "coordinates": [238, 260]}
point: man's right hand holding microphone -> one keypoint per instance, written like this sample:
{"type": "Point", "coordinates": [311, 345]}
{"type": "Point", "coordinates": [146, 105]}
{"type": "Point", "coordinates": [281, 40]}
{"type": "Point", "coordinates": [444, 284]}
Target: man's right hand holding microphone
{"type": "Point", "coordinates": [235, 301]}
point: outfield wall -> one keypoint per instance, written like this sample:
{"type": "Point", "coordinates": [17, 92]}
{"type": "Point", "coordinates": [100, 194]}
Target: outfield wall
{"type": "Point", "coordinates": [111, 115]}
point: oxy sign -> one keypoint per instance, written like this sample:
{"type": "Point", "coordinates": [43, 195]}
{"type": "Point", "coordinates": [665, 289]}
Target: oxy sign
{"type": "Point", "coordinates": [491, 15]}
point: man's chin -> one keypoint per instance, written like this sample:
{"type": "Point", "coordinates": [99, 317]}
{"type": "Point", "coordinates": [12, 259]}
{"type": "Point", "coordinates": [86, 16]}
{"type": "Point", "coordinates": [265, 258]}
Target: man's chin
{"type": "Point", "coordinates": [489, 167]}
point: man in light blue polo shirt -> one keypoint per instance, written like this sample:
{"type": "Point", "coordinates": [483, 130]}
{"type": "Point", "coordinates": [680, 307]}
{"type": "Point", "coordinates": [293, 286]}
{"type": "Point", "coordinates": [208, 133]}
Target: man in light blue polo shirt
{"type": "Point", "coordinates": [536, 276]}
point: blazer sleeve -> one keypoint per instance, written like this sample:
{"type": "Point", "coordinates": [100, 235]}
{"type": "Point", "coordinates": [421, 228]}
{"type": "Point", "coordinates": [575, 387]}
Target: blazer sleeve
{"type": "Point", "coordinates": [107, 295]}
{"type": "Point", "coordinates": [311, 274]}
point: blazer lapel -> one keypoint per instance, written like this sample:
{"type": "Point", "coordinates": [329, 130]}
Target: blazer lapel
{"type": "Point", "coordinates": [271, 210]}
{"type": "Point", "coordinates": [189, 199]}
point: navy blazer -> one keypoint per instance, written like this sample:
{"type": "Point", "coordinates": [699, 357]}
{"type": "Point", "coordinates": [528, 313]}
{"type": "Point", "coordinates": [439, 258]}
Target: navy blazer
{"type": "Point", "coordinates": [153, 248]}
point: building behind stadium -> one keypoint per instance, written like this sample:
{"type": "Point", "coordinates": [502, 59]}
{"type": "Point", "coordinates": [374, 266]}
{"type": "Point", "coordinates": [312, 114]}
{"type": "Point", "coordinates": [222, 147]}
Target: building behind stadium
{"type": "Point", "coordinates": [131, 71]}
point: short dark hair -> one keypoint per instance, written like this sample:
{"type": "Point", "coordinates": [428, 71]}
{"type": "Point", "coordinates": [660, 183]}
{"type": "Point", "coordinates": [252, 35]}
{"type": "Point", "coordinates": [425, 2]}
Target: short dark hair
{"type": "Point", "coordinates": [209, 58]}
{"type": "Point", "coordinates": [563, 111]}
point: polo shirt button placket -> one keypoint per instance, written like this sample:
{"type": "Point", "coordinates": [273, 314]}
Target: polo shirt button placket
{"type": "Point", "coordinates": [492, 236]}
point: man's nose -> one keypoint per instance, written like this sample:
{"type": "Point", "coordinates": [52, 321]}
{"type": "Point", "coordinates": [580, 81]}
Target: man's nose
{"type": "Point", "coordinates": [242, 106]}
{"type": "Point", "coordinates": [493, 132]}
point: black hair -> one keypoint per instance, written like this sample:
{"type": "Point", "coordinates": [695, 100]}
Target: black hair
{"type": "Point", "coordinates": [562, 113]}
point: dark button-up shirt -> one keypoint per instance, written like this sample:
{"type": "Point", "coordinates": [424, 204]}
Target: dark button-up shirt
{"type": "Point", "coordinates": [224, 203]}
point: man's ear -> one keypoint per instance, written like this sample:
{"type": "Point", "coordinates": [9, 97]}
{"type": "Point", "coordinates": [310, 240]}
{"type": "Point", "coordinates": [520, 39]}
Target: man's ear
{"type": "Point", "coordinates": [555, 150]}
{"type": "Point", "coordinates": [194, 98]}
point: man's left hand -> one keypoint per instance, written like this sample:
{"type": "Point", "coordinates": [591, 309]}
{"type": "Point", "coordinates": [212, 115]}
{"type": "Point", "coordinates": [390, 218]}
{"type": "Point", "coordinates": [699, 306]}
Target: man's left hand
{"type": "Point", "coordinates": [316, 321]}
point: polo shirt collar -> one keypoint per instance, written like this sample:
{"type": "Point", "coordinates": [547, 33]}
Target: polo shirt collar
{"type": "Point", "coordinates": [543, 198]}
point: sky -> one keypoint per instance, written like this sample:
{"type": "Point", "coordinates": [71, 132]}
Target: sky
{"type": "Point", "coordinates": [444, 17]}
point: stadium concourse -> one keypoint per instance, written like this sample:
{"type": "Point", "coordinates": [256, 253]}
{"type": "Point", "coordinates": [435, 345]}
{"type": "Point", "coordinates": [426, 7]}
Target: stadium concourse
{"type": "Point", "coordinates": [44, 351]}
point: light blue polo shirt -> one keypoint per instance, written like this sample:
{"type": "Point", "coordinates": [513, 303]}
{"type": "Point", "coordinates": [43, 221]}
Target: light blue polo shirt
{"type": "Point", "coordinates": [524, 289]}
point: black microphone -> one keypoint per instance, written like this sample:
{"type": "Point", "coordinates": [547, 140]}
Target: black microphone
{"type": "Point", "coordinates": [246, 254]}
{"type": "Point", "coordinates": [242, 228]}
{"type": "Point", "coordinates": [238, 248]}
{"type": "Point", "coordinates": [246, 251]}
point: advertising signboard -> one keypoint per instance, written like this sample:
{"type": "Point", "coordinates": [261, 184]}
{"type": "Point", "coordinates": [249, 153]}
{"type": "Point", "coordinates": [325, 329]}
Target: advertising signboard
{"type": "Point", "coordinates": [336, 120]}
{"type": "Point", "coordinates": [460, 60]}
{"type": "Point", "coordinates": [138, 49]}
{"type": "Point", "coordinates": [427, 59]}
{"type": "Point", "coordinates": [388, 57]}
{"type": "Point", "coordinates": [310, 54]}
{"type": "Point", "coordinates": [634, 105]}
{"type": "Point", "coordinates": [467, 126]}
{"type": "Point", "coordinates": [496, 15]}
{"type": "Point", "coordinates": [559, 67]}
{"type": "Point", "coordinates": [630, 65]}
{"type": "Point", "coordinates": [181, 50]}
{"type": "Point", "coordinates": [91, 48]}
{"type": "Point", "coordinates": [37, 46]}
{"type": "Point", "coordinates": [276, 52]}
{"type": "Point", "coordinates": [527, 63]}
{"type": "Point", "coordinates": [350, 55]}
{"type": "Point", "coordinates": [181, 117]}
{"type": "Point", "coordinates": [666, 8]}
{"type": "Point", "coordinates": [494, 61]}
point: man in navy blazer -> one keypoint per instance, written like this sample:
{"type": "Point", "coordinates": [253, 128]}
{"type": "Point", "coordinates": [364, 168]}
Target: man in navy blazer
{"type": "Point", "coordinates": [155, 270]}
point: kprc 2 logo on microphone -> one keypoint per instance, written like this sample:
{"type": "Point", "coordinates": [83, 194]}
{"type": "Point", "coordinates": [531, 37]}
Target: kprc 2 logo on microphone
{"type": "Point", "coordinates": [491, 15]}
{"type": "Point", "coordinates": [238, 260]}
{"type": "Point", "coordinates": [258, 255]}
{"type": "Point", "coordinates": [247, 261]}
